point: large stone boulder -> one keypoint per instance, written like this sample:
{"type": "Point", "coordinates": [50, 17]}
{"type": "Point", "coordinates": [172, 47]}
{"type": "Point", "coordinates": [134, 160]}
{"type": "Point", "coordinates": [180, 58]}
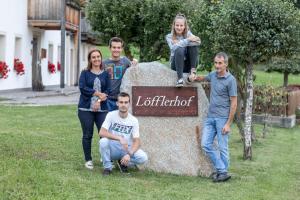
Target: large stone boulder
{"type": "Point", "coordinates": [172, 143]}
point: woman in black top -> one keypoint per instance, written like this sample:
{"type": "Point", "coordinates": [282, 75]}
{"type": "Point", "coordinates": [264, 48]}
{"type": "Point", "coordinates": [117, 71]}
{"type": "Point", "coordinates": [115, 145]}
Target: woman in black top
{"type": "Point", "coordinates": [94, 85]}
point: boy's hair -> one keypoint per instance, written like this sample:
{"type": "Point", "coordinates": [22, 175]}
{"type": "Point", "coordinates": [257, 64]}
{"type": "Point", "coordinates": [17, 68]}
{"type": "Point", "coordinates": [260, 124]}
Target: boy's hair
{"type": "Point", "coordinates": [116, 39]}
{"type": "Point", "coordinates": [123, 94]}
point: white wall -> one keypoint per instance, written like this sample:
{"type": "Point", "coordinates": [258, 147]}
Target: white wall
{"type": "Point", "coordinates": [84, 50]}
{"type": "Point", "coordinates": [13, 24]}
{"type": "Point", "coordinates": [50, 37]}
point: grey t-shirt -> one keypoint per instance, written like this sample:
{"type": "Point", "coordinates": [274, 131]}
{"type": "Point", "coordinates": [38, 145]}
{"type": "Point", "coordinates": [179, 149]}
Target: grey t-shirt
{"type": "Point", "coordinates": [116, 70]}
{"type": "Point", "coordinates": [221, 89]}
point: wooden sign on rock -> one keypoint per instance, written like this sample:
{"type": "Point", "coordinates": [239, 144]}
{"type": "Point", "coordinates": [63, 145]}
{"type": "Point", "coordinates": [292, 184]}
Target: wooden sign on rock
{"type": "Point", "coordinates": [164, 101]}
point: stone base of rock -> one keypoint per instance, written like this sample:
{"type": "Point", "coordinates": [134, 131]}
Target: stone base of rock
{"type": "Point", "coordinates": [172, 143]}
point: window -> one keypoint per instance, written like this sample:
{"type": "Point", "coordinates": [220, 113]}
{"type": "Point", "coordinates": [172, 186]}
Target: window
{"type": "Point", "coordinates": [50, 53]}
{"type": "Point", "coordinates": [2, 47]}
{"type": "Point", "coordinates": [18, 47]}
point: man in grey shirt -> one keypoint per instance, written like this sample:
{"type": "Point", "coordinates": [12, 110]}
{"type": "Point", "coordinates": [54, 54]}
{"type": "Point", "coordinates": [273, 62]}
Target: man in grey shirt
{"type": "Point", "coordinates": [222, 107]}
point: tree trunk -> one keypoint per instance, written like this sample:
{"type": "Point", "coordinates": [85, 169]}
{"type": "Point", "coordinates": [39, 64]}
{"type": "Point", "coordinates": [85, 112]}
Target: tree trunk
{"type": "Point", "coordinates": [142, 53]}
{"type": "Point", "coordinates": [37, 83]}
{"type": "Point", "coordinates": [248, 113]}
{"type": "Point", "coordinates": [237, 118]}
{"type": "Point", "coordinates": [285, 79]}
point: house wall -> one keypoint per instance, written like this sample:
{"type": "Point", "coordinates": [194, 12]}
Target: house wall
{"type": "Point", "coordinates": [15, 25]}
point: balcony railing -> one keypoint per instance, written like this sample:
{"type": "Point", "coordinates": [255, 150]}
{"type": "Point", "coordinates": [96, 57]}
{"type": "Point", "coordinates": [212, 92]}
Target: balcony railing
{"type": "Point", "coordinates": [46, 14]}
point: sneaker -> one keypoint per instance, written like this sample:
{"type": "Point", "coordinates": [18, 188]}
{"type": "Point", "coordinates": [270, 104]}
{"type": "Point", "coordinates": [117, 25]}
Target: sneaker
{"type": "Point", "coordinates": [89, 165]}
{"type": "Point", "coordinates": [123, 168]}
{"type": "Point", "coordinates": [179, 83]}
{"type": "Point", "coordinates": [106, 172]}
{"type": "Point", "coordinates": [222, 177]}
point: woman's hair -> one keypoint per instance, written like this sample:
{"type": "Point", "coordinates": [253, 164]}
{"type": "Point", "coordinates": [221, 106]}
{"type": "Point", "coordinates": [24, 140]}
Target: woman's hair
{"type": "Point", "coordinates": [179, 16]}
{"type": "Point", "coordinates": [89, 66]}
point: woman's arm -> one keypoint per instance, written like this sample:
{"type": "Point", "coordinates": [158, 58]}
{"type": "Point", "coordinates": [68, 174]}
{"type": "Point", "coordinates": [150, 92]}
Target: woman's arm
{"type": "Point", "coordinates": [83, 87]}
{"type": "Point", "coordinates": [174, 45]}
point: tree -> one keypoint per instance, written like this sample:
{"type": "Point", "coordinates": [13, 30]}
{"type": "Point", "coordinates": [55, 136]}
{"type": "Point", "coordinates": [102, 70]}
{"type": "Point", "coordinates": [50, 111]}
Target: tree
{"type": "Point", "coordinates": [200, 15]}
{"type": "Point", "coordinates": [296, 2]}
{"type": "Point", "coordinates": [115, 18]}
{"type": "Point", "coordinates": [253, 31]}
{"type": "Point", "coordinates": [285, 66]}
{"type": "Point", "coordinates": [141, 23]}
{"type": "Point", "coordinates": [145, 23]}
{"type": "Point", "coordinates": [157, 17]}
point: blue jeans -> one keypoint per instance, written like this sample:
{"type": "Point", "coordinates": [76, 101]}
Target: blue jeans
{"type": "Point", "coordinates": [218, 155]}
{"type": "Point", "coordinates": [113, 150]}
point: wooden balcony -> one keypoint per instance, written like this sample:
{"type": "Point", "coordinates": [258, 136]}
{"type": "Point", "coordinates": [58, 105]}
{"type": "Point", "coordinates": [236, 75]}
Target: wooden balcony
{"type": "Point", "coordinates": [46, 14]}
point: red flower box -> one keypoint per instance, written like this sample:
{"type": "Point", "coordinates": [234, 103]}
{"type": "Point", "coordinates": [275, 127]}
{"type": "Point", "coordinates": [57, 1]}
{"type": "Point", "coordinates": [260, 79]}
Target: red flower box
{"type": "Point", "coordinates": [4, 70]}
{"type": "Point", "coordinates": [51, 67]}
{"type": "Point", "coordinates": [19, 67]}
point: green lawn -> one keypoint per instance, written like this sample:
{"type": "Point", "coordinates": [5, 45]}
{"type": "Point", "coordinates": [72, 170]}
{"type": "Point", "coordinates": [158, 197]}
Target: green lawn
{"type": "Point", "coordinates": [274, 78]}
{"type": "Point", "coordinates": [105, 52]}
{"type": "Point", "coordinates": [41, 158]}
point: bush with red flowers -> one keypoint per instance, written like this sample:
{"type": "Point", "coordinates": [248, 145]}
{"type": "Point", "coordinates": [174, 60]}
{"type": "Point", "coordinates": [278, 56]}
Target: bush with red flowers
{"type": "Point", "coordinates": [4, 70]}
{"type": "Point", "coordinates": [19, 67]}
{"type": "Point", "coordinates": [58, 66]}
{"type": "Point", "coordinates": [51, 67]}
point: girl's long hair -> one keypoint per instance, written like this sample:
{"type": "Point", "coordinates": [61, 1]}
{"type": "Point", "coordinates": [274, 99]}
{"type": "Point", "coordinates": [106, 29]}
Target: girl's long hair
{"type": "Point", "coordinates": [89, 66]}
{"type": "Point", "coordinates": [186, 29]}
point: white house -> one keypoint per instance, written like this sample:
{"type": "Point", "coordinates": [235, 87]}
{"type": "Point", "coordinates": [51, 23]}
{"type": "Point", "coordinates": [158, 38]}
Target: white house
{"type": "Point", "coordinates": [25, 21]}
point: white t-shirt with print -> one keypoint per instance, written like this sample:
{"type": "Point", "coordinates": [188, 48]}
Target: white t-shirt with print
{"type": "Point", "coordinates": [126, 127]}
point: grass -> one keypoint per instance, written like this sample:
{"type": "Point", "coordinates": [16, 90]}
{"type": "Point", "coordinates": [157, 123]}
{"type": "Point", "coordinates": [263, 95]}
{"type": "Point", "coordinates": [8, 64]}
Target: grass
{"type": "Point", "coordinates": [274, 78]}
{"type": "Point", "coordinates": [42, 158]}
{"type": "Point", "coordinates": [105, 52]}
{"type": "Point", "coordinates": [3, 99]}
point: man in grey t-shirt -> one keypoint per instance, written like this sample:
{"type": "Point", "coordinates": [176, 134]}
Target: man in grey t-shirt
{"type": "Point", "coordinates": [222, 107]}
{"type": "Point", "coordinates": [116, 66]}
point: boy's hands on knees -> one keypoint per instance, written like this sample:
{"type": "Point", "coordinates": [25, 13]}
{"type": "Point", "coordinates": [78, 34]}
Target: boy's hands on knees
{"type": "Point", "coordinates": [125, 160]}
